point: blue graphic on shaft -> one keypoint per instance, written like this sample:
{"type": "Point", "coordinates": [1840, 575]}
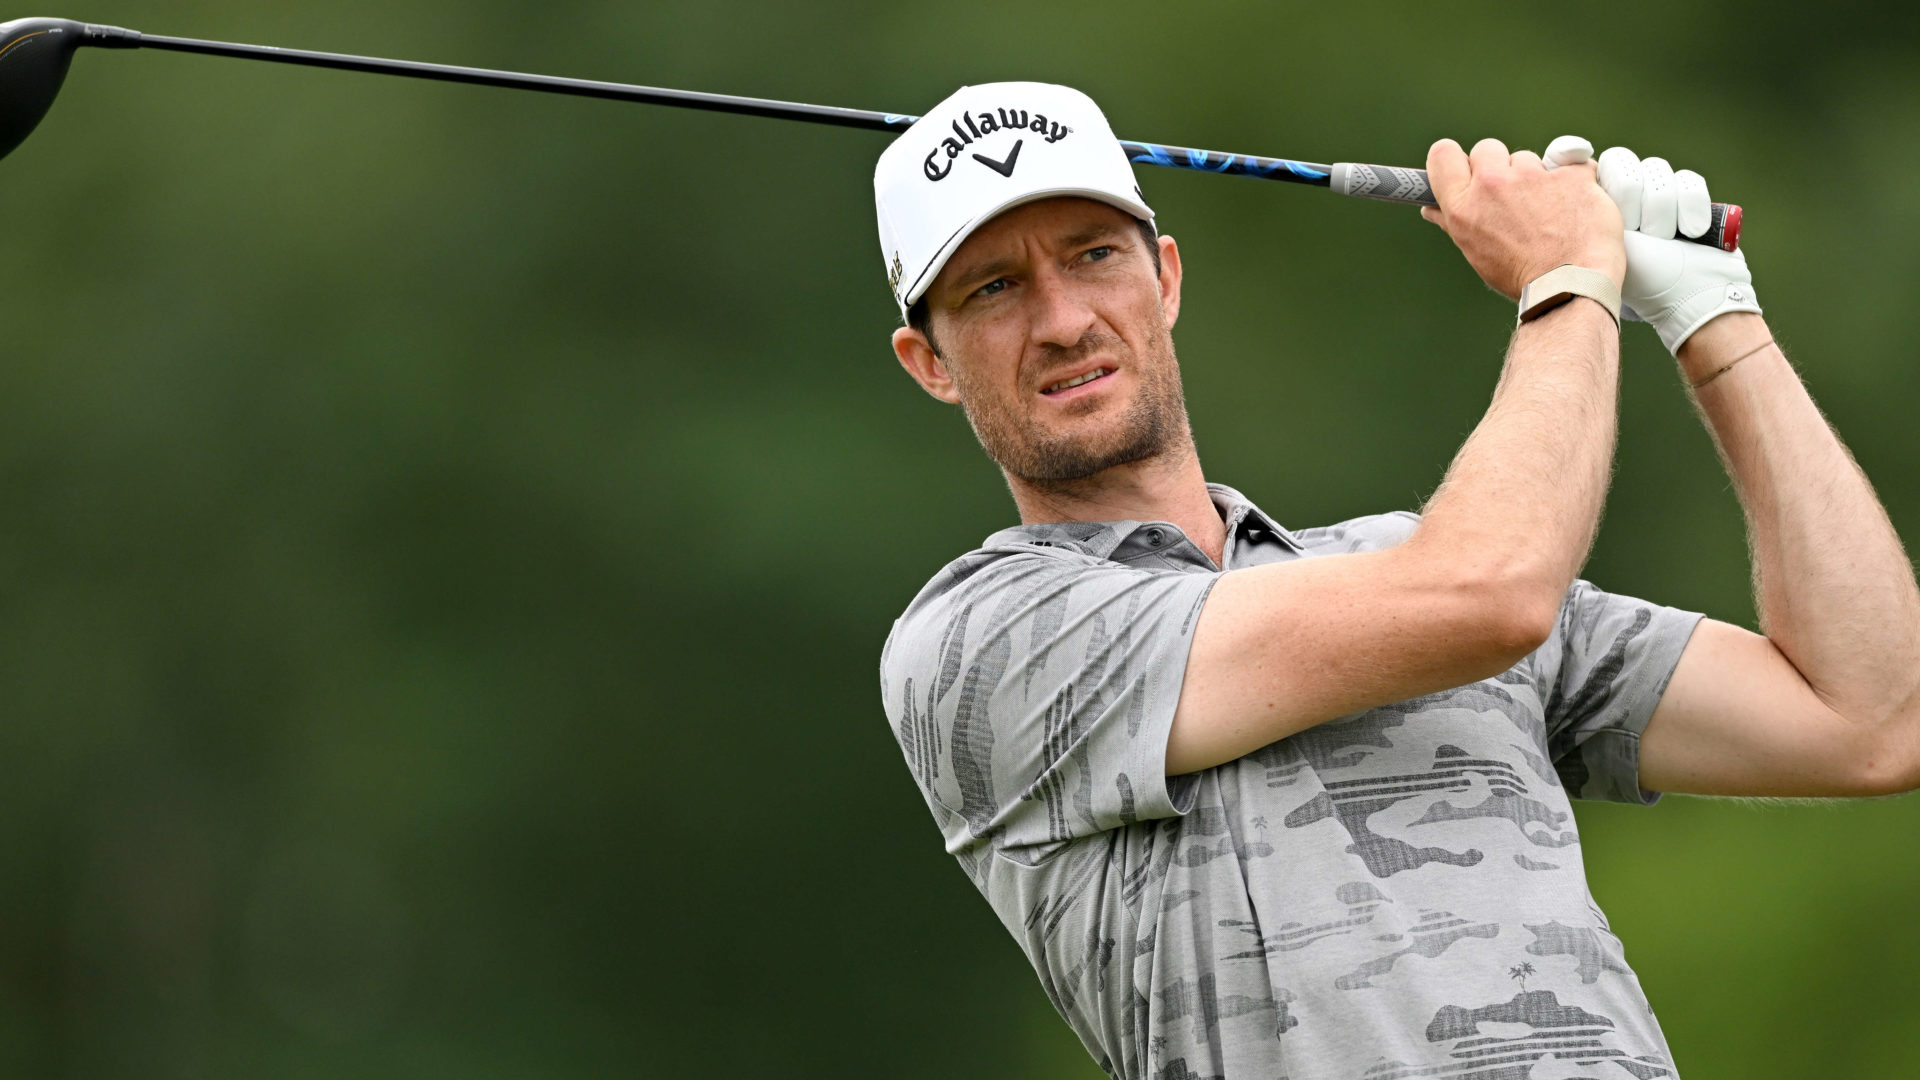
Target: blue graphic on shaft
{"type": "Point", "coordinates": [1179, 157]}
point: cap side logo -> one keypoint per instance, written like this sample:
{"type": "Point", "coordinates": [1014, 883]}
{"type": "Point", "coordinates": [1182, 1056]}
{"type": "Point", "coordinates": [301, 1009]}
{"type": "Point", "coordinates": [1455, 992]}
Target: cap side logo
{"type": "Point", "coordinates": [939, 160]}
{"type": "Point", "coordinates": [895, 273]}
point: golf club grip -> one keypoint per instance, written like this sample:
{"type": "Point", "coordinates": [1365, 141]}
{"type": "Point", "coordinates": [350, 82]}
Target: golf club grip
{"type": "Point", "coordinates": [1391, 183]}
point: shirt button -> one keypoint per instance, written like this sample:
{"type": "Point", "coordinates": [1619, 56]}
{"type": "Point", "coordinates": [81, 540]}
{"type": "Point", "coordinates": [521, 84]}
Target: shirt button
{"type": "Point", "coordinates": [1155, 537]}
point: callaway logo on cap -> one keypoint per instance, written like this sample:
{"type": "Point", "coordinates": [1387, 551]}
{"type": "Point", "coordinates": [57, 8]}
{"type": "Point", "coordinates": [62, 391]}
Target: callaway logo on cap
{"type": "Point", "coordinates": [982, 151]}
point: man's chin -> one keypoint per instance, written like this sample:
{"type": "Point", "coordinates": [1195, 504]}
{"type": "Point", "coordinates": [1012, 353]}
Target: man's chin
{"type": "Point", "coordinates": [1063, 466]}
{"type": "Point", "coordinates": [1078, 451]}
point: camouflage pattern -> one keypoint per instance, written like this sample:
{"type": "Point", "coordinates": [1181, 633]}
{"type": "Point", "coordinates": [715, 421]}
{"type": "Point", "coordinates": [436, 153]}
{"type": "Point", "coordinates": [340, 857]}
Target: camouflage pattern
{"type": "Point", "coordinates": [1397, 893]}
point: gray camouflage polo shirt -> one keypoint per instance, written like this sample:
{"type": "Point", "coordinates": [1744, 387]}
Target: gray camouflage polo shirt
{"type": "Point", "coordinates": [1397, 893]}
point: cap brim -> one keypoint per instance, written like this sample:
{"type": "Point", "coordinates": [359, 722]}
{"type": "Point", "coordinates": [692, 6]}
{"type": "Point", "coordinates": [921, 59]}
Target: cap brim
{"type": "Point", "coordinates": [932, 270]}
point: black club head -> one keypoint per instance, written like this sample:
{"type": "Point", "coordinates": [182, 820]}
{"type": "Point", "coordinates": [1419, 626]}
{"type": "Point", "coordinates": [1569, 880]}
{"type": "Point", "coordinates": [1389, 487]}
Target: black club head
{"type": "Point", "coordinates": [34, 54]}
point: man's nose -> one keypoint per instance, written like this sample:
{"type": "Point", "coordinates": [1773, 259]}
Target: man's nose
{"type": "Point", "coordinates": [1063, 314]}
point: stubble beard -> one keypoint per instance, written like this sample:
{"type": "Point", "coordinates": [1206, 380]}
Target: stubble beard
{"type": "Point", "coordinates": [1154, 423]}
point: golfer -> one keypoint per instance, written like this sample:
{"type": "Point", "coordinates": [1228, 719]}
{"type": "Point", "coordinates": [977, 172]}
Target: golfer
{"type": "Point", "coordinates": [1262, 802]}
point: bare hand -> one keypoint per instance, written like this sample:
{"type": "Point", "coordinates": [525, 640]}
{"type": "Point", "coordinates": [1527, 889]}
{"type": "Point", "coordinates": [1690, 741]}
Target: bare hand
{"type": "Point", "coordinates": [1514, 219]}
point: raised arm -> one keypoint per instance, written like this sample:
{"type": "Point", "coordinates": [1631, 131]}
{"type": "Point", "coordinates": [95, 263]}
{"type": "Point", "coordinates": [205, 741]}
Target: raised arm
{"type": "Point", "coordinates": [1280, 648]}
{"type": "Point", "coordinates": [1827, 702]}
{"type": "Point", "coordinates": [1826, 699]}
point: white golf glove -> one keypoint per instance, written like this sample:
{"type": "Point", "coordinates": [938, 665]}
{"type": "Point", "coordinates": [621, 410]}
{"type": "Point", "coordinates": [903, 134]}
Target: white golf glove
{"type": "Point", "coordinates": [1675, 285]}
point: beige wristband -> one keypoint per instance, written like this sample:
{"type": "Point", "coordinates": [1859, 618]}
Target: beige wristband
{"type": "Point", "coordinates": [1563, 283]}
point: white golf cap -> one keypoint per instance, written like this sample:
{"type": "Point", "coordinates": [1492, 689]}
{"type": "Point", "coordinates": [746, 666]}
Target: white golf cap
{"type": "Point", "coordinates": [982, 151]}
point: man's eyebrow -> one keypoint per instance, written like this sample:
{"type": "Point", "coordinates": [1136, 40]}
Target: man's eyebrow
{"type": "Point", "coordinates": [1098, 231]}
{"type": "Point", "coordinates": [994, 268]}
{"type": "Point", "coordinates": [990, 269]}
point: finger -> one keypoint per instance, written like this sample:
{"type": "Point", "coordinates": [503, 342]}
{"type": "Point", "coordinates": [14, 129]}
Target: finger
{"type": "Point", "coordinates": [1525, 159]}
{"type": "Point", "coordinates": [1567, 150]}
{"type": "Point", "coordinates": [1489, 154]}
{"type": "Point", "coordinates": [1659, 208]}
{"type": "Point", "coordinates": [1431, 214]}
{"type": "Point", "coordinates": [1620, 178]}
{"type": "Point", "coordinates": [1447, 171]}
{"type": "Point", "coordinates": [1694, 209]}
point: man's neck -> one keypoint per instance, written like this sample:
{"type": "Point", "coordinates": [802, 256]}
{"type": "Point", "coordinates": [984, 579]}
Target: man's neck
{"type": "Point", "coordinates": [1169, 487]}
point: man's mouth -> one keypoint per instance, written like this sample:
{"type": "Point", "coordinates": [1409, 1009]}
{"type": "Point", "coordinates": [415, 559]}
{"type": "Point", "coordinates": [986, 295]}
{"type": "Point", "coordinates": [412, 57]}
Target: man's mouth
{"type": "Point", "coordinates": [1078, 380]}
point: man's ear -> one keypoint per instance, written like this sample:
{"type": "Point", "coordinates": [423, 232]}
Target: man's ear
{"type": "Point", "coordinates": [917, 356]}
{"type": "Point", "coordinates": [1170, 279]}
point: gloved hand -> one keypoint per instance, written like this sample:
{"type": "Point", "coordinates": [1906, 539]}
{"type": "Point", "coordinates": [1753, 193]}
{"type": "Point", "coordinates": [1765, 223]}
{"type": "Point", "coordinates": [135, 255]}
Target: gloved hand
{"type": "Point", "coordinates": [1677, 286]}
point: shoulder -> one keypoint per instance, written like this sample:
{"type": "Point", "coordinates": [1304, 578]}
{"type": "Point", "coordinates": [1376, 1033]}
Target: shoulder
{"type": "Point", "coordinates": [1010, 571]}
{"type": "Point", "coordinates": [1002, 562]}
{"type": "Point", "coordinates": [1370, 533]}
{"type": "Point", "coordinates": [1022, 584]}
{"type": "Point", "coordinates": [929, 637]}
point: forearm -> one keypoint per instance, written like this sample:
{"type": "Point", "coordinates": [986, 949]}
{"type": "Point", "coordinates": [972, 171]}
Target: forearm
{"type": "Point", "coordinates": [1522, 498]}
{"type": "Point", "coordinates": [1834, 589]}
{"type": "Point", "coordinates": [1282, 647]}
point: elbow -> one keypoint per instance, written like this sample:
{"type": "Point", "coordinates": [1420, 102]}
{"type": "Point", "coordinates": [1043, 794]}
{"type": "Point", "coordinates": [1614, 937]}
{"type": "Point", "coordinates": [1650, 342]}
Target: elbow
{"type": "Point", "coordinates": [1890, 763]}
{"type": "Point", "coordinates": [1877, 775]}
{"type": "Point", "coordinates": [1513, 633]}
{"type": "Point", "coordinates": [1527, 620]}
{"type": "Point", "coordinates": [1508, 605]}
{"type": "Point", "coordinates": [1514, 617]}
{"type": "Point", "coordinates": [1905, 745]}
{"type": "Point", "coordinates": [1878, 749]}
{"type": "Point", "coordinates": [1496, 631]}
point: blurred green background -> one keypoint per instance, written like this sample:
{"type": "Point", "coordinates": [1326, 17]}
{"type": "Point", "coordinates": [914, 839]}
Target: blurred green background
{"type": "Point", "coordinates": [449, 532]}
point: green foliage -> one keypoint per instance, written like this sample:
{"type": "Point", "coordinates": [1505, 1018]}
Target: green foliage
{"type": "Point", "coordinates": [450, 532]}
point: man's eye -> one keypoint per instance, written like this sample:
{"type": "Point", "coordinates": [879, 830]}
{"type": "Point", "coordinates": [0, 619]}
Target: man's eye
{"type": "Point", "coordinates": [1096, 254]}
{"type": "Point", "coordinates": [991, 288]}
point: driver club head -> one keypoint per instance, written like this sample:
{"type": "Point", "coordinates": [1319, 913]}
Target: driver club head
{"type": "Point", "coordinates": [34, 54]}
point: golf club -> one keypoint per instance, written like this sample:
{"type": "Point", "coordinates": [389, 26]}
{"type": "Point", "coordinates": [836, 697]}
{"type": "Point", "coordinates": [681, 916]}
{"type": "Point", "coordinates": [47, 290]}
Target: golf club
{"type": "Point", "coordinates": [35, 55]}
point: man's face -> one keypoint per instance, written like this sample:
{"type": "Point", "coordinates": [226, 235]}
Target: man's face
{"type": "Point", "coordinates": [1055, 292]}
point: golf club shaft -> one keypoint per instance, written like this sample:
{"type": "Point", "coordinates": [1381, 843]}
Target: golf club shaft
{"type": "Point", "coordinates": [652, 95]}
{"type": "Point", "coordinates": [1382, 182]}
{"type": "Point", "coordinates": [1178, 157]}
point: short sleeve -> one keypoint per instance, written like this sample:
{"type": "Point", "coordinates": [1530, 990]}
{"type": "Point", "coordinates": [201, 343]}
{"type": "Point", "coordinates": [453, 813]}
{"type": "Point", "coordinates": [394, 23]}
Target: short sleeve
{"type": "Point", "coordinates": [1614, 656]}
{"type": "Point", "coordinates": [1033, 697]}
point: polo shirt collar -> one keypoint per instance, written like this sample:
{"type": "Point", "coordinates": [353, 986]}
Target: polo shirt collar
{"type": "Point", "coordinates": [1122, 540]}
{"type": "Point", "coordinates": [1244, 518]}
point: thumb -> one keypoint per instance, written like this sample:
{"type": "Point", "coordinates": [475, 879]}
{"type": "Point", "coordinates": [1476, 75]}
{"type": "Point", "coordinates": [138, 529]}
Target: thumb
{"type": "Point", "coordinates": [1567, 150]}
{"type": "Point", "coordinates": [1448, 171]}
{"type": "Point", "coordinates": [1654, 267]}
